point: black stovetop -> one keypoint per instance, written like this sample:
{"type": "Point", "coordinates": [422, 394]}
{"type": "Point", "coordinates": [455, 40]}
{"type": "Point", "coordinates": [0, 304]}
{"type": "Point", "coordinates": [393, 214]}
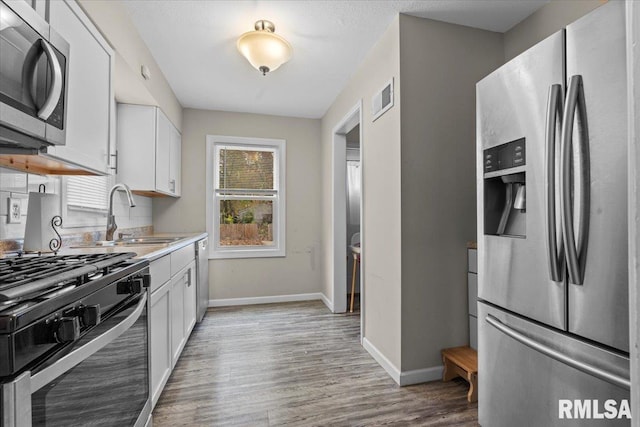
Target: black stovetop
{"type": "Point", "coordinates": [37, 294]}
{"type": "Point", "coordinates": [33, 286]}
{"type": "Point", "coordinates": [33, 275]}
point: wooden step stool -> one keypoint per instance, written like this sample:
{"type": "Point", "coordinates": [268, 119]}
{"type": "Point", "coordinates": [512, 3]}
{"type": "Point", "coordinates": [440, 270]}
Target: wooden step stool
{"type": "Point", "coordinates": [462, 362]}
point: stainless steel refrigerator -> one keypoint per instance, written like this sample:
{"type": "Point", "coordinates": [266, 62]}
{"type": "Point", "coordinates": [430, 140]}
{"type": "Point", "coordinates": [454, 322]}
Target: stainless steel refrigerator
{"type": "Point", "coordinates": [552, 227]}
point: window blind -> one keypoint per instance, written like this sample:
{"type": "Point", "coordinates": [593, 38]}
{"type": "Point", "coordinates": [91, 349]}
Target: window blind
{"type": "Point", "coordinates": [87, 192]}
{"type": "Point", "coordinates": [243, 169]}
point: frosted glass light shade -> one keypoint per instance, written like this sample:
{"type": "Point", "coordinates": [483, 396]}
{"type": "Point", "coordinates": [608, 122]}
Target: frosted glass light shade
{"type": "Point", "coordinates": [264, 50]}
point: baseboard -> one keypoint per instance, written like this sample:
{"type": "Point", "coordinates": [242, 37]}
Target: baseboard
{"type": "Point", "coordinates": [418, 376]}
{"type": "Point", "coordinates": [327, 302]}
{"type": "Point", "coordinates": [415, 376]}
{"type": "Point", "coordinates": [382, 360]}
{"type": "Point", "coordinates": [225, 302]}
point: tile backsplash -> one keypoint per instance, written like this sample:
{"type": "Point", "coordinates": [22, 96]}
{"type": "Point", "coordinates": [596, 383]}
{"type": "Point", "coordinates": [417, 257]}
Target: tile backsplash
{"type": "Point", "coordinates": [16, 185]}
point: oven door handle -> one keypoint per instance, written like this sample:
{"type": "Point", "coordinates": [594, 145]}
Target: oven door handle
{"type": "Point", "coordinates": [72, 359]}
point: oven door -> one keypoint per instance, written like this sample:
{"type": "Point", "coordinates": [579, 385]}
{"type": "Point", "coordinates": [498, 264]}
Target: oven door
{"type": "Point", "coordinates": [102, 381]}
{"type": "Point", "coordinates": [32, 79]}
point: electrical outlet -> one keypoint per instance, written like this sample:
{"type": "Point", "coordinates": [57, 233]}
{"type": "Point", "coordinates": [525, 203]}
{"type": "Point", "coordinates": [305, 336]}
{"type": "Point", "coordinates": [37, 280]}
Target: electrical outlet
{"type": "Point", "coordinates": [15, 211]}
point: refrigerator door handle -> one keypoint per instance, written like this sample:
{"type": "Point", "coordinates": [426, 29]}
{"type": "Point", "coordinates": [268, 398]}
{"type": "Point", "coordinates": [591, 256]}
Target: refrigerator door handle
{"type": "Point", "coordinates": [587, 368]}
{"type": "Point", "coordinates": [576, 254]}
{"type": "Point", "coordinates": [554, 110]}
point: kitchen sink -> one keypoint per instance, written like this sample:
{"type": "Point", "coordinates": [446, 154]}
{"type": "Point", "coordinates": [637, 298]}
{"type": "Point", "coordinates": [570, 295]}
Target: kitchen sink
{"type": "Point", "coordinates": [130, 241]}
{"type": "Point", "coordinates": [150, 240]}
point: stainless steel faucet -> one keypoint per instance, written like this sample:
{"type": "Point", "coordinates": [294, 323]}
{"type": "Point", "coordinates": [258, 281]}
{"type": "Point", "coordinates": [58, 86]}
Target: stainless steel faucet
{"type": "Point", "coordinates": [111, 219]}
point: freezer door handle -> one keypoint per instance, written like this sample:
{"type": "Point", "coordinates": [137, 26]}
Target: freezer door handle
{"type": "Point", "coordinates": [587, 368]}
{"type": "Point", "coordinates": [556, 255]}
{"type": "Point", "coordinates": [576, 254]}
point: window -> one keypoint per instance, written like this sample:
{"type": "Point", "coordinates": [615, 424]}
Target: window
{"type": "Point", "coordinates": [246, 197]}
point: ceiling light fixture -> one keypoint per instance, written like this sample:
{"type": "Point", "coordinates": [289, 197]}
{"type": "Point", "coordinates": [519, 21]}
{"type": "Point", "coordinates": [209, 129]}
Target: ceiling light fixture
{"type": "Point", "coordinates": [264, 50]}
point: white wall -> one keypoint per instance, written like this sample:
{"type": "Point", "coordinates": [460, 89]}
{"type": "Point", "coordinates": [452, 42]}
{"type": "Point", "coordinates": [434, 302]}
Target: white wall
{"type": "Point", "coordinates": [16, 184]}
{"type": "Point", "coordinates": [299, 271]}
{"type": "Point", "coordinates": [550, 18]}
{"type": "Point", "coordinates": [440, 64]}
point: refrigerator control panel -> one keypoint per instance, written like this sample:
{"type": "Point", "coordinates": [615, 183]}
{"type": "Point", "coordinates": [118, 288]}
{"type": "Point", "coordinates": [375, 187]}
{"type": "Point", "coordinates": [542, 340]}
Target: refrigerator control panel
{"type": "Point", "coordinates": [505, 156]}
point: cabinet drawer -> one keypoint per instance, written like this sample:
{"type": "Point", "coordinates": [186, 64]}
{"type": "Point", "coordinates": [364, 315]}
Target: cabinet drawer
{"type": "Point", "coordinates": [472, 258]}
{"type": "Point", "coordinates": [160, 270]}
{"type": "Point", "coordinates": [181, 258]}
{"type": "Point", "coordinates": [473, 332]}
{"type": "Point", "coordinates": [472, 282]}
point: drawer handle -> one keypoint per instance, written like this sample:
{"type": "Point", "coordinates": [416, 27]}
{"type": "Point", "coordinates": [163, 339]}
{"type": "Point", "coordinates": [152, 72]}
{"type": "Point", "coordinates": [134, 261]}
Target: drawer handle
{"type": "Point", "coordinates": [587, 368]}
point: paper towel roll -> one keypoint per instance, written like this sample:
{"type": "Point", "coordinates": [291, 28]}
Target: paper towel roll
{"type": "Point", "coordinates": [39, 232]}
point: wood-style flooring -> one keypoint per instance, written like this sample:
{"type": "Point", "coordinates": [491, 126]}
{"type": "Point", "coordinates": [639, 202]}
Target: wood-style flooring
{"type": "Point", "coordinates": [295, 364]}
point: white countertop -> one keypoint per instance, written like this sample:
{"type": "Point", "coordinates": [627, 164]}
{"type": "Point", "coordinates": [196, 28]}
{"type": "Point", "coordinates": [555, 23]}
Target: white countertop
{"type": "Point", "coordinates": [146, 251]}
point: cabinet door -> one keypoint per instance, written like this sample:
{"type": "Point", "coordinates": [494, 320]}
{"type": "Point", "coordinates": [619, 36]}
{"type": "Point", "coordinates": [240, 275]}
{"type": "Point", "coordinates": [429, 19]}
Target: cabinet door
{"type": "Point", "coordinates": [177, 315]}
{"type": "Point", "coordinates": [190, 301]}
{"type": "Point", "coordinates": [175, 161]}
{"type": "Point", "coordinates": [160, 340]}
{"type": "Point", "coordinates": [136, 135]}
{"type": "Point", "coordinates": [89, 91]}
{"type": "Point", "coordinates": [40, 6]}
{"type": "Point", "coordinates": [163, 152]}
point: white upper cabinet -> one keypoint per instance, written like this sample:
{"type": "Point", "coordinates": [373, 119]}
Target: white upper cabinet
{"type": "Point", "coordinates": [90, 108]}
{"type": "Point", "coordinates": [163, 154]}
{"type": "Point", "coordinates": [174, 161]}
{"type": "Point", "coordinates": [149, 151]}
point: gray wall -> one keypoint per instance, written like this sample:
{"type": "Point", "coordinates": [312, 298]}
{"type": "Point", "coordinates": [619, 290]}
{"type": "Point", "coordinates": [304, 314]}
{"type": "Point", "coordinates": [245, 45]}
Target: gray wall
{"type": "Point", "coordinates": [380, 147]}
{"type": "Point", "coordinates": [550, 18]}
{"type": "Point", "coordinates": [299, 271]}
{"type": "Point", "coordinates": [440, 64]}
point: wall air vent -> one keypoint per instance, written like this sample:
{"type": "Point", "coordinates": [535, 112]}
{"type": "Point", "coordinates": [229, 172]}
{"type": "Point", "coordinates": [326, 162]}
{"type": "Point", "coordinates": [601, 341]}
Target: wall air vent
{"type": "Point", "coordinates": [382, 100]}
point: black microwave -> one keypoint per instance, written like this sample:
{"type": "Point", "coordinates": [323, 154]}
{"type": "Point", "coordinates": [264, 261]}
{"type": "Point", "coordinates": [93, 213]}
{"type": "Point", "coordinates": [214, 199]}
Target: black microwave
{"type": "Point", "coordinates": [34, 64]}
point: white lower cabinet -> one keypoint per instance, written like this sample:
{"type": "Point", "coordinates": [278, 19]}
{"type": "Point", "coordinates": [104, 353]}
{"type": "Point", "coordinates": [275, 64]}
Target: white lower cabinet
{"type": "Point", "coordinates": [173, 314]}
{"type": "Point", "coordinates": [183, 309]}
{"type": "Point", "coordinates": [177, 318]}
{"type": "Point", "coordinates": [190, 303]}
{"type": "Point", "coordinates": [160, 340]}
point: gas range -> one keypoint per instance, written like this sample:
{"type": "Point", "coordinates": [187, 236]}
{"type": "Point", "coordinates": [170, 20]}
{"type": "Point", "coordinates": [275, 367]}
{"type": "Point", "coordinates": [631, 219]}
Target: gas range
{"type": "Point", "coordinates": [47, 302]}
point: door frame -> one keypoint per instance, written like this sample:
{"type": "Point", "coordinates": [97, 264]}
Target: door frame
{"type": "Point", "coordinates": [633, 102]}
{"type": "Point", "coordinates": [339, 210]}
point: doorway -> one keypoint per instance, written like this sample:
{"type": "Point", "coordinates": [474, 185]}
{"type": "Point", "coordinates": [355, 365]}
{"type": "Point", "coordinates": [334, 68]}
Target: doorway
{"type": "Point", "coordinates": [354, 193]}
{"type": "Point", "coordinates": [347, 168]}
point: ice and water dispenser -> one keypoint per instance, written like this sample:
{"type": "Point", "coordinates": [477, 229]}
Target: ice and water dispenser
{"type": "Point", "coordinates": [505, 189]}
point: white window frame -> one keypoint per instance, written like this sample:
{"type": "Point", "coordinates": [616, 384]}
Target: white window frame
{"type": "Point", "coordinates": [278, 146]}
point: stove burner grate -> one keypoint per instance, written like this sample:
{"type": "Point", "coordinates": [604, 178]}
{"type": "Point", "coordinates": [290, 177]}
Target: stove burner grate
{"type": "Point", "coordinates": [24, 276]}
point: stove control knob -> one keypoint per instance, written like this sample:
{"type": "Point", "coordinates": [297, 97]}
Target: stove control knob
{"type": "Point", "coordinates": [131, 286]}
{"type": "Point", "coordinates": [68, 329]}
{"type": "Point", "coordinates": [90, 314]}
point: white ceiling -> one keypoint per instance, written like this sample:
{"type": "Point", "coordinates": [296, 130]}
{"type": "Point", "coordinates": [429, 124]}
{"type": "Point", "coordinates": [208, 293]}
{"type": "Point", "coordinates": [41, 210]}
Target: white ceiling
{"type": "Point", "coordinates": [194, 43]}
